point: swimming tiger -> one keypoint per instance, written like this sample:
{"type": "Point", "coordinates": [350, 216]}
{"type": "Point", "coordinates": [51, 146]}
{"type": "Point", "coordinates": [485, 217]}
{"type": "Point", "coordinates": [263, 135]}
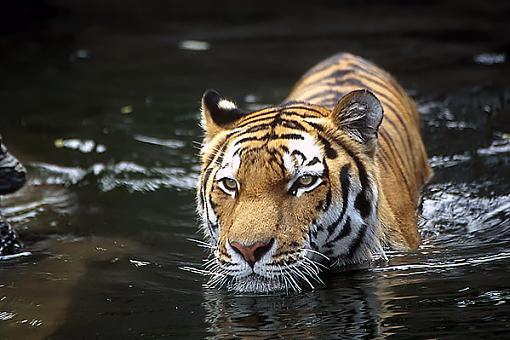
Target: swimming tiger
{"type": "Point", "coordinates": [320, 180]}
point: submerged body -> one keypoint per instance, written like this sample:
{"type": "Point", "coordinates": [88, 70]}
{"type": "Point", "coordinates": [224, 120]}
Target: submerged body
{"type": "Point", "coordinates": [315, 180]}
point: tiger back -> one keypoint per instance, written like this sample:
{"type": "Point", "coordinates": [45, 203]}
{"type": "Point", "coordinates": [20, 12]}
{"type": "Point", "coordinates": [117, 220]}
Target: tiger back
{"type": "Point", "coordinates": [319, 180]}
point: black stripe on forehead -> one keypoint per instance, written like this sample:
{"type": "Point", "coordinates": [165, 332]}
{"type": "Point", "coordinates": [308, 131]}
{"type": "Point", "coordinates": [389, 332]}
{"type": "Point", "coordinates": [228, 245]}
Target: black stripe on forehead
{"type": "Point", "coordinates": [297, 153]}
{"type": "Point", "coordinates": [314, 161]}
{"type": "Point", "coordinates": [282, 116]}
{"type": "Point", "coordinates": [270, 137]}
{"type": "Point", "coordinates": [269, 113]}
{"type": "Point", "coordinates": [270, 124]}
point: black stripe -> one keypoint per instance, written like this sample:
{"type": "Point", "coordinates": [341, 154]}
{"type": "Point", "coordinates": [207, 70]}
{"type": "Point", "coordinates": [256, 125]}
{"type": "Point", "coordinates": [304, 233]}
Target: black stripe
{"type": "Point", "coordinates": [346, 230]}
{"type": "Point", "coordinates": [257, 115]}
{"type": "Point", "coordinates": [402, 176]}
{"type": "Point", "coordinates": [314, 233]}
{"type": "Point", "coordinates": [292, 136]}
{"type": "Point", "coordinates": [314, 161]}
{"type": "Point", "coordinates": [400, 131]}
{"type": "Point", "coordinates": [327, 203]}
{"type": "Point", "coordinates": [335, 75]}
{"type": "Point", "coordinates": [283, 109]}
{"type": "Point", "coordinates": [357, 241]}
{"type": "Point", "coordinates": [335, 91]}
{"type": "Point", "coordinates": [204, 185]}
{"type": "Point", "coordinates": [331, 61]}
{"type": "Point", "coordinates": [362, 205]}
{"type": "Point", "coordinates": [220, 157]}
{"type": "Point", "coordinates": [328, 200]}
{"type": "Point", "coordinates": [345, 184]}
{"type": "Point", "coordinates": [286, 109]}
{"type": "Point", "coordinates": [316, 126]}
{"type": "Point", "coordinates": [270, 136]}
{"type": "Point", "coordinates": [276, 119]}
{"type": "Point", "coordinates": [321, 94]}
{"type": "Point", "coordinates": [276, 158]}
{"type": "Point", "coordinates": [300, 154]}
{"type": "Point", "coordinates": [258, 120]}
{"type": "Point", "coordinates": [363, 176]}
{"type": "Point", "coordinates": [313, 245]}
{"type": "Point", "coordinates": [330, 152]}
{"type": "Point", "coordinates": [213, 207]}
{"type": "Point", "coordinates": [210, 225]}
{"type": "Point", "coordinates": [271, 122]}
{"type": "Point", "coordinates": [378, 81]}
{"type": "Point", "coordinates": [211, 158]}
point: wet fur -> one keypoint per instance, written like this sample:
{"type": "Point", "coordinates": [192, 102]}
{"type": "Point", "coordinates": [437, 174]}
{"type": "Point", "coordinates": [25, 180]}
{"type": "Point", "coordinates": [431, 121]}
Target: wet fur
{"type": "Point", "coordinates": [370, 177]}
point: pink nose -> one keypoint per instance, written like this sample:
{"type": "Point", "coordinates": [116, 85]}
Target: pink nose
{"type": "Point", "coordinates": [254, 252]}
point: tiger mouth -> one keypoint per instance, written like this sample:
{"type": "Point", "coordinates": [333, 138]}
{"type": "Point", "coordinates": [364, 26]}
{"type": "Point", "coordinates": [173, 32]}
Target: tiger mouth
{"type": "Point", "coordinates": [293, 277]}
{"type": "Point", "coordinates": [256, 283]}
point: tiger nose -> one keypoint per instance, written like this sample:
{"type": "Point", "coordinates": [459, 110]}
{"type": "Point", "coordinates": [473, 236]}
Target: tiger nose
{"type": "Point", "coordinates": [254, 252]}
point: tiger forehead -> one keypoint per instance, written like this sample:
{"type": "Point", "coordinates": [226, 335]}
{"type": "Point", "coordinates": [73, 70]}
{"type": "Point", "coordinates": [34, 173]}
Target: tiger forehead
{"type": "Point", "coordinates": [290, 111]}
{"type": "Point", "coordinates": [282, 151]}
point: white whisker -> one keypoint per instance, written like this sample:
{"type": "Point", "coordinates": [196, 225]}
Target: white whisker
{"type": "Point", "coordinates": [303, 276]}
{"type": "Point", "coordinates": [201, 243]}
{"type": "Point", "coordinates": [316, 253]}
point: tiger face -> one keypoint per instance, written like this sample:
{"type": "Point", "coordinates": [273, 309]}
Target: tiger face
{"type": "Point", "coordinates": [288, 190]}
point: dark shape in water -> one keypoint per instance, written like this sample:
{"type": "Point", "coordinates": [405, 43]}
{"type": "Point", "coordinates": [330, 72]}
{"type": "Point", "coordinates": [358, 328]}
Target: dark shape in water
{"type": "Point", "coordinates": [12, 178]}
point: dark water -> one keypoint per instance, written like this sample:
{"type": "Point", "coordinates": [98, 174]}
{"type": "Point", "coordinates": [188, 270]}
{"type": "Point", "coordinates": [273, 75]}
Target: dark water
{"type": "Point", "coordinates": [102, 106]}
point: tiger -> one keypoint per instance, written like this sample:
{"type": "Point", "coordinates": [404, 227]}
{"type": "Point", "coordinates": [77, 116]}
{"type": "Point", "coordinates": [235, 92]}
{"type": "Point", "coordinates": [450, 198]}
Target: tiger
{"type": "Point", "coordinates": [330, 178]}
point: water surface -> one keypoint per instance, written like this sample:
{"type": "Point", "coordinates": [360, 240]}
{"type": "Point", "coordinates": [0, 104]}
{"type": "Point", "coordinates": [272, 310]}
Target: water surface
{"type": "Point", "coordinates": [105, 115]}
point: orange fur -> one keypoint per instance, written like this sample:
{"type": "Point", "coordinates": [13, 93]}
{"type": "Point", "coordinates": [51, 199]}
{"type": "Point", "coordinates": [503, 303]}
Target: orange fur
{"type": "Point", "coordinates": [370, 171]}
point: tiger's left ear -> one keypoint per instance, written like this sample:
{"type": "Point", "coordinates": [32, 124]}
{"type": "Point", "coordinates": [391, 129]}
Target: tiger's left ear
{"type": "Point", "coordinates": [218, 113]}
{"type": "Point", "coordinates": [360, 113]}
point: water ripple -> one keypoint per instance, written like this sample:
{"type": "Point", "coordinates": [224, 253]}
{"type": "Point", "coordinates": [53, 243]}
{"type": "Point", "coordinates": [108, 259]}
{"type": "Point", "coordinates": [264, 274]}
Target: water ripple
{"type": "Point", "coordinates": [129, 175]}
{"type": "Point", "coordinates": [436, 265]}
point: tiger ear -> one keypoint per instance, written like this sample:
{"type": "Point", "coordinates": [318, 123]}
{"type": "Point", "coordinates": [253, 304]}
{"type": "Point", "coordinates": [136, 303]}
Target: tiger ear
{"type": "Point", "coordinates": [360, 113]}
{"type": "Point", "coordinates": [218, 113]}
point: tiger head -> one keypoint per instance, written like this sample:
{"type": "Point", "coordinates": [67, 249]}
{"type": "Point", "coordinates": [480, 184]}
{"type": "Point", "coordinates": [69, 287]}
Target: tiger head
{"type": "Point", "coordinates": [287, 190]}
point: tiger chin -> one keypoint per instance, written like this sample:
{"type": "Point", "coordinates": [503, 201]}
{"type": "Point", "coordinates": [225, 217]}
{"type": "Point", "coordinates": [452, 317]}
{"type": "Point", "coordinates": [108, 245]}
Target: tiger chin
{"type": "Point", "coordinates": [328, 178]}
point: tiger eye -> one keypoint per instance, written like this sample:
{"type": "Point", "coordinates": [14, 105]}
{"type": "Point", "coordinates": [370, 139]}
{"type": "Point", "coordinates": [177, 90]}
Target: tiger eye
{"type": "Point", "coordinates": [230, 184]}
{"type": "Point", "coordinates": [306, 180]}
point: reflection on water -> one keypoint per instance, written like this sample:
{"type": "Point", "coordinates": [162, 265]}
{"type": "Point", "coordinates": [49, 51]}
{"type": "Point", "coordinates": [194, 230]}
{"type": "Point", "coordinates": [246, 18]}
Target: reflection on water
{"type": "Point", "coordinates": [109, 137]}
{"type": "Point", "coordinates": [349, 307]}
